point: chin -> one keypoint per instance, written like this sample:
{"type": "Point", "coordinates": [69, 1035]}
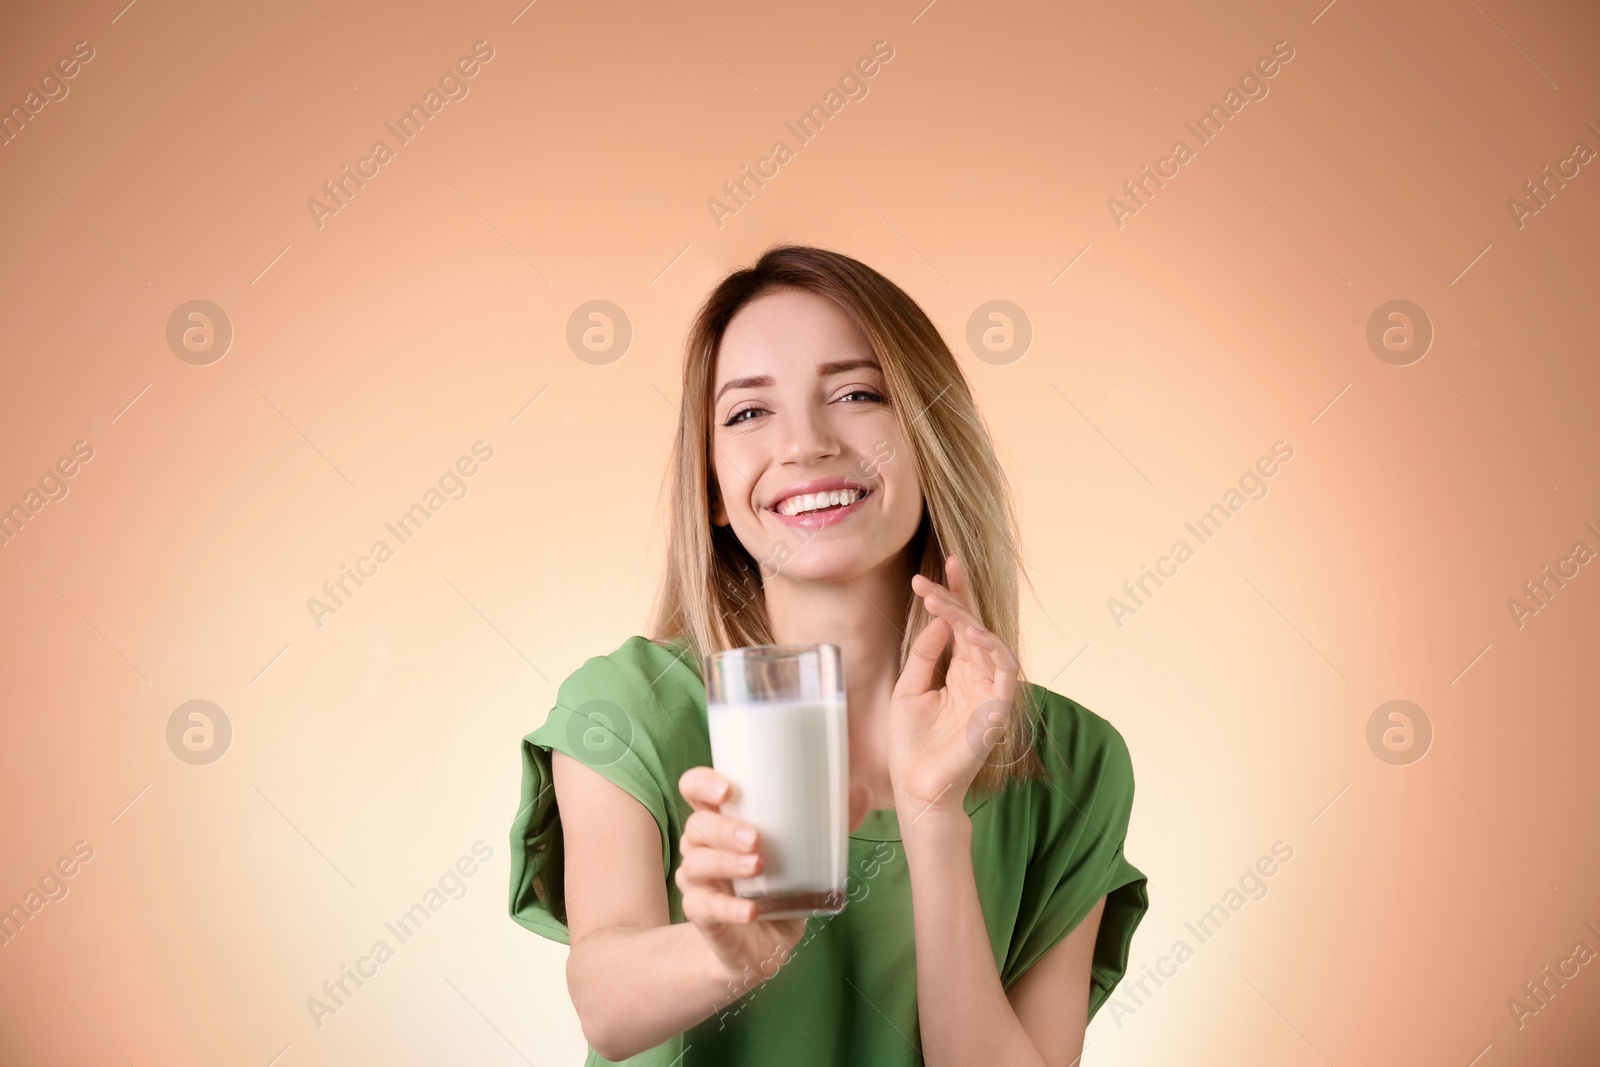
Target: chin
{"type": "Point", "coordinates": [831, 563]}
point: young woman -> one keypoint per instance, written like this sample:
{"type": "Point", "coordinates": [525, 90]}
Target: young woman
{"type": "Point", "coordinates": [832, 482]}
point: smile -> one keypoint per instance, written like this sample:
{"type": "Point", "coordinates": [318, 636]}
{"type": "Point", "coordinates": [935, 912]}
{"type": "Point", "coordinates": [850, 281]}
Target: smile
{"type": "Point", "coordinates": [814, 510]}
{"type": "Point", "coordinates": [806, 502]}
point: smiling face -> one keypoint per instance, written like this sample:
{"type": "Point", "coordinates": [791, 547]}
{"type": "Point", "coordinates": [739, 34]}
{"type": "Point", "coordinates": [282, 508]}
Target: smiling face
{"type": "Point", "coordinates": [813, 473]}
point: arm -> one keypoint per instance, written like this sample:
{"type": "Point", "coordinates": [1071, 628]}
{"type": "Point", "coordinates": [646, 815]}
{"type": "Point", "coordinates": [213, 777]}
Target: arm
{"type": "Point", "coordinates": [1052, 997]}
{"type": "Point", "coordinates": [966, 1016]}
{"type": "Point", "coordinates": [636, 979]}
{"type": "Point", "coordinates": [938, 739]}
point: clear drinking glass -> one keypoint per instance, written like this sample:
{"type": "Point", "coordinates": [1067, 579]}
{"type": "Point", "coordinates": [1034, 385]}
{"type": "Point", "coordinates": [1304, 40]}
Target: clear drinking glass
{"type": "Point", "coordinates": [778, 733]}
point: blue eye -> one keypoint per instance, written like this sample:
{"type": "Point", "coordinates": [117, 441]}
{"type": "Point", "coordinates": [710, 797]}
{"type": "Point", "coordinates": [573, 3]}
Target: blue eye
{"type": "Point", "coordinates": [868, 393]}
{"type": "Point", "coordinates": [738, 416]}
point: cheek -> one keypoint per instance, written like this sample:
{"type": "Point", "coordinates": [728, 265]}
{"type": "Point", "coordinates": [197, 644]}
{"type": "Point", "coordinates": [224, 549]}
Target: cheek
{"type": "Point", "coordinates": [733, 488]}
{"type": "Point", "coordinates": [910, 510]}
{"type": "Point", "coordinates": [903, 492]}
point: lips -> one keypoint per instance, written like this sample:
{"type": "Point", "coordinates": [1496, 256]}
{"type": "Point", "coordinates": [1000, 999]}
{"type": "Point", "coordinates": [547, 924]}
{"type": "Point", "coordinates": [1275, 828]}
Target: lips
{"type": "Point", "coordinates": [813, 494]}
{"type": "Point", "coordinates": [816, 485]}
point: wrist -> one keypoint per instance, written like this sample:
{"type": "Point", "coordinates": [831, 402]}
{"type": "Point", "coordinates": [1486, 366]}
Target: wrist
{"type": "Point", "coordinates": [729, 982]}
{"type": "Point", "coordinates": [726, 982]}
{"type": "Point", "coordinates": [943, 819]}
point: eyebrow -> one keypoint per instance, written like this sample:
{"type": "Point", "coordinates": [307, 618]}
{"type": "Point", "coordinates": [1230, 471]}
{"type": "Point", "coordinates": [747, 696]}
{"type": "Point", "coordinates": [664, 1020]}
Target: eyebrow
{"type": "Point", "coordinates": [823, 371]}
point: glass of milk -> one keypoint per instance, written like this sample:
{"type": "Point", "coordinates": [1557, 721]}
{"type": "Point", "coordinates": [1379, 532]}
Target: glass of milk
{"type": "Point", "coordinates": [777, 721]}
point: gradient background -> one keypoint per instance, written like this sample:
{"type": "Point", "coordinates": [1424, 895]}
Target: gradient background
{"type": "Point", "coordinates": [370, 753]}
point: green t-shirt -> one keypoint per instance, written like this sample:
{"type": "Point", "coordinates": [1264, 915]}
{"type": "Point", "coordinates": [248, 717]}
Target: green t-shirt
{"type": "Point", "coordinates": [1043, 853]}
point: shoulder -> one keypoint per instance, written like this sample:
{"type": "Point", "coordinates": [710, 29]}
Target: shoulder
{"type": "Point", "coordinates": [634, 715]}
{"type": "Point", "coordinates": [643, 699]}
{"type": "Point", "coordinates": [1084, 755]}
{"type": "Point", "coordinates": [637, 672]}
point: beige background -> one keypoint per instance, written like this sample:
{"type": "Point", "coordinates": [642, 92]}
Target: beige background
{"type": "Point", "coordinates": [371, 752]}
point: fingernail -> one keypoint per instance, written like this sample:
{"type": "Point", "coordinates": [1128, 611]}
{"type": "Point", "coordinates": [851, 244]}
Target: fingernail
{"type": "Point", "coordinates": [745, 838]}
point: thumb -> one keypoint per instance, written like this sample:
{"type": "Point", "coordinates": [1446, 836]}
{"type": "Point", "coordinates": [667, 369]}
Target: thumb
{"type": "Point", "coordinates": [860, 796]}
{"type": "Point", "coordinates": [917, 675]}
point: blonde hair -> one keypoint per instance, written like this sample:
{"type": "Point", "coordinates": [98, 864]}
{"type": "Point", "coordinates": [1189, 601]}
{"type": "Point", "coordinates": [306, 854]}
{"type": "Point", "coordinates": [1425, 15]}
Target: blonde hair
{"type": "Point", "coordinates": [710, 594]}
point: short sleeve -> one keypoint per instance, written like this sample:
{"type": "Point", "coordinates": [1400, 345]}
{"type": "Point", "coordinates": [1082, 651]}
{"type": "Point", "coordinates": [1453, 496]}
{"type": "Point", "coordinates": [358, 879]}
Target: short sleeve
{"type": "Point", "coordinates": [1081, 824]}
{"type": "Point", "coordinates": [624, 716]}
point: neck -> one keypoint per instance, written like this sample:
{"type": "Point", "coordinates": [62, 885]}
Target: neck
{"type": "Point", "coordinates": [863, 615]}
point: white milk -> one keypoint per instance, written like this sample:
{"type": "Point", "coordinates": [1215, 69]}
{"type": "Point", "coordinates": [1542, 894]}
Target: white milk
{"type": "Point", "coordinates": [789, 762]}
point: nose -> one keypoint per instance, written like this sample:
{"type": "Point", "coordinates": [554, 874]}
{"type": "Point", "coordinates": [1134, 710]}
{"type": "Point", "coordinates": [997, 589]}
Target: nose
{"type": "Point", "coordinates": [810, 435]}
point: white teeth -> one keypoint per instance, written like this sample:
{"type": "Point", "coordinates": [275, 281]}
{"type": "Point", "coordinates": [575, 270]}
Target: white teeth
{"type": "Point", "coordinates": [794, 505]}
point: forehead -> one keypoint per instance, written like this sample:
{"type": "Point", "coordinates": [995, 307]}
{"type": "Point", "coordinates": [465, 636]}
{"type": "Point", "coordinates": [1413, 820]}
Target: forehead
{"type": "Point", "coordinates": [787, 328]}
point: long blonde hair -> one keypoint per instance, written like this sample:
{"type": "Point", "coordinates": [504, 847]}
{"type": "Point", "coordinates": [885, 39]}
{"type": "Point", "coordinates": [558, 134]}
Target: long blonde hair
{"type": "Point", "coordinates": [711, 595]}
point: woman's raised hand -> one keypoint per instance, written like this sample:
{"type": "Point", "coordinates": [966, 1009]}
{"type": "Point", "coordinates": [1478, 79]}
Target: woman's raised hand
{"type": "Point", "coordinates": [939, 738]}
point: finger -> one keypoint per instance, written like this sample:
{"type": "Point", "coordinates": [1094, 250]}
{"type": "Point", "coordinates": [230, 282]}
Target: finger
{"type": "Point", "coordinates": [981, 645]}
{"type": "Point", "coordinates": [974, 674]}
{"type": "Point", "coordinates": [978, 634]}
{"type": "Point", "coordinates": [929, 587]}
{"type": "Point", "coordinates": [711, 829]}
{"type": "Point", "coordinates": [1000, 679]}
{"type": "Point", "coordinates": [917, 677]}
{"type": "Point", "coordinates": [1002, 652]}
{"type": "Point", "coordinates": [963, 624]}
{"type": "Point", "coordinates": [713, 867]}
{"type": "Point", "coordinates": [957, 573]}
{"type": "Point", "coordinates": [958, 593]}
{"type": "Point", "coordinates": [1002, 663]}
{"type": "Point", "coordinates": [1004, 660]}
{"type": "Point", "coordinates": [972, 656]}
{"type": "Point", "coordinates": [940, 602]}
{"type": "Point", "coordinates": [704, 788]}
{"type": "Point", "coordinates": [707, 908]}
{"type": "Point", "coordinates": [958, 588]}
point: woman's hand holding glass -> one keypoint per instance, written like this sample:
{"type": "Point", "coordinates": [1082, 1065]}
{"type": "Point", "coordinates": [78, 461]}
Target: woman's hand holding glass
{"type": "Point", "coordinates": [716, 849]}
